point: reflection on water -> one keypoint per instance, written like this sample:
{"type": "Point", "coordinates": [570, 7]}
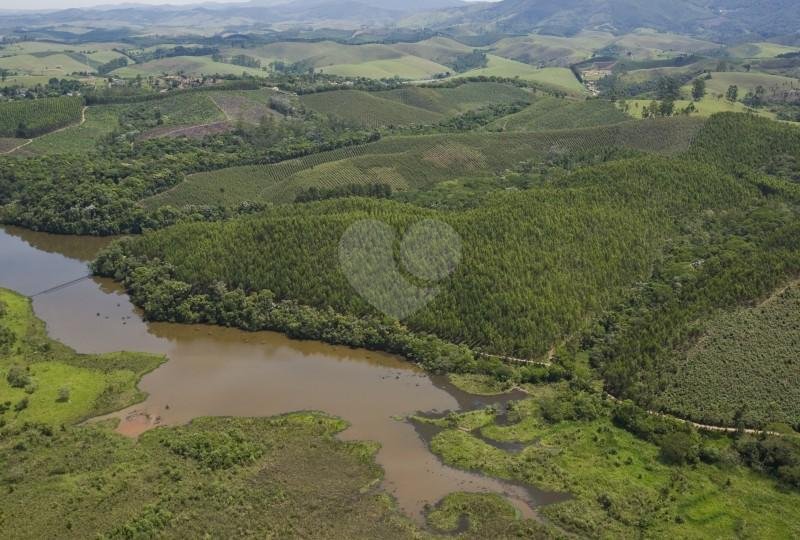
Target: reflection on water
{"type": "Point", "coordinates": [214, 371]}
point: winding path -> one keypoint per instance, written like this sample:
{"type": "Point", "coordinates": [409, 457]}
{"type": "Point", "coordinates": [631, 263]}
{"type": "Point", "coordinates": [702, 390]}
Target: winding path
{"type": "Point", "coordinates": [29, 141]}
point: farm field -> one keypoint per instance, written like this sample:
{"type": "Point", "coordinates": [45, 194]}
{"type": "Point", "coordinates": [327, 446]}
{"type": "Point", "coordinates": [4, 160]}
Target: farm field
{"type": "Point", "coordinates": [463, 98]}
{"type": "Point", "coordinates": [367, 109]}
{"type": "Point", "coordinates": [100, 121]}
{"type": "Point", "coordinates": [416, 162]}
{"type": "Point", "coordinates": [547, 113]}
{"type": "Point", "coordinates": [27, 119]}
{"type": "Point", "coordinates": [189, 65]}
{"type": "Point", "coordinates": [747, 357]}
{"type": "Point", "coordinates": [554, 77]}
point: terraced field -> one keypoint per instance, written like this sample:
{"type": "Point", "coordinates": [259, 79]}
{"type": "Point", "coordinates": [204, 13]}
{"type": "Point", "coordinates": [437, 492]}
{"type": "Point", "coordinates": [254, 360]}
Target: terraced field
{"type": "Point", "coordinates": [417, 162]}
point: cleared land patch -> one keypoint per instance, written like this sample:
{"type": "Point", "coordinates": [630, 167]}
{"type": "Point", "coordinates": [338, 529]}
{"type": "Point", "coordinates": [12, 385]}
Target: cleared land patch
{"type": "Point", "coordinates": [368, 109]}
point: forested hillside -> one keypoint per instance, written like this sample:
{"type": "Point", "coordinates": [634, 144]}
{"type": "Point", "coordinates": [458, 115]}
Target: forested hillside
{"type": "Point", "coordinates": [536, 264]}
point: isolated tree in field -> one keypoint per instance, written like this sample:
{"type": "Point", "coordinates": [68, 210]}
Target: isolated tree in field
{"type": "Point", "coordinates": [698, 89]}
{"type": "Point", "coordinates": [733, 93]}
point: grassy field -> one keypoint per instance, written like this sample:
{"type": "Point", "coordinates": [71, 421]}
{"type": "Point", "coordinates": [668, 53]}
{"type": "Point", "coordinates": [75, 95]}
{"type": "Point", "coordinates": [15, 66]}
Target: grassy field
{"type": "Point", "coordinates": [92, 385]}
{"type": "Point", "coordinates": [551, 50]}
{"type": "Point", "coordinates": [368, 109]}
{"type": "Point", "coordinates": [412, 104]}
{"type": "Point", "coordinates": [416, 162]}
{"type": "Point", "coordinates": [557, 78]}
{"type": "Point", "coordinates": [52, 65]}
{"type": "Point", "coordinates": [548, 113]}
{"type": "Point", "coordinates": [747, 82]}
{"type": "Point", "coordinates": [645, 44]}
{"type": "Point", "coordinates": [746, 357]}
{"type": "Point", "coordinates": [760, 50]}
{"type": "Point", "coordinates": [405, 67]}
{"type": "Point", "coordinates": [189, 65]}
{"type": "Point", "coordinates": [407, 61]}
{"type": "Point", "coordinates": [620, 486]}
{"type": "Point", "coordinates": [100, 121]}
{"type": "Point", "coordinates": [463, 98]}
{"type": "Point", "coordinates": [246, 106]}
{"type": "Point", "coordinates": [704, 108]}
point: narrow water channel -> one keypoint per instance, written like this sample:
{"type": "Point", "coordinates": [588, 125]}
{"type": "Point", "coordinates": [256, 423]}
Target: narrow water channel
{"type": "Point", "coordinates": [214, 371]}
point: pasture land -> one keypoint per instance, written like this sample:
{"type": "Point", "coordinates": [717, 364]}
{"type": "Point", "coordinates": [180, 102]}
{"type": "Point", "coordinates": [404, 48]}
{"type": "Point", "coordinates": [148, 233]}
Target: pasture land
{"type": "Point", "coordinates": [645, 44]}
{"type": "Point", "coordinates": [747, 82]}
{"type": "Point", "coordinates": [705, 107]}
{"type": "Point", "coordinates": [760, 50]}
{"type": "Point", "coordinates": [556, 78]}
{"type": "Point", "coordinates": [412, 104]}
{"type": "Point", "coordinates": [405, 67]}
{"type": "Point", "coordinates": [417, 162]}
{"type": "Point", "coordinates": [248, 106]}
{"type": "Point", "coordinates": [189, 65]}
{"type": "Point", "coordinates": [553, 51]}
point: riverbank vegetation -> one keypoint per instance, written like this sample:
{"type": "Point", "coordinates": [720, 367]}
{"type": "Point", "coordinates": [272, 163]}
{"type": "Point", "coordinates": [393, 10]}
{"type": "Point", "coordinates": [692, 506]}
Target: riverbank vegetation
{"type": "Point", "coordinates": [678, 483]}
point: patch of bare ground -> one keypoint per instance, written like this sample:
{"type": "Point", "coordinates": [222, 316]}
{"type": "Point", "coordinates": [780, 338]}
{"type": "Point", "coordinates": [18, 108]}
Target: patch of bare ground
{"type": "Point", "coordinates": [239, 108]}
{"type": "Point", "coordinates": [192, 132]}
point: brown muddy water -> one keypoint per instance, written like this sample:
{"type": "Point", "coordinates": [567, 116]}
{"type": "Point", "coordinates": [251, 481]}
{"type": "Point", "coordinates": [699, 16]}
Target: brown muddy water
{"type": "Point", "coordinates": [214, 371]}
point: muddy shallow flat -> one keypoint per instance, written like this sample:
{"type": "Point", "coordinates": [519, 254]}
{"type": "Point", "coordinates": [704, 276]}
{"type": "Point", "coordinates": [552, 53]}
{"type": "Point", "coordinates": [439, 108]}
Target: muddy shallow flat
{"type": "Point", "coordinates": [214, 371]}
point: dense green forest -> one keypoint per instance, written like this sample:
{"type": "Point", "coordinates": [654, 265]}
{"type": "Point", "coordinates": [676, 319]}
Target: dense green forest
{"type": "Point", "coordinates": [628, 252]}
{"type": "Point", "coordinates": [536, 264]}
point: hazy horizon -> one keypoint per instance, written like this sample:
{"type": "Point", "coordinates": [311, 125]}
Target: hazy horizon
{"type": "Point", "coordinates": [33, 5]}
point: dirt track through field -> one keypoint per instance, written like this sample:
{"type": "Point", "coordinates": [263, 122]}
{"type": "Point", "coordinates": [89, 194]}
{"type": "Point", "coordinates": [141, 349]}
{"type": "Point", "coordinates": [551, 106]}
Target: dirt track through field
{"type": "Point", "coordinates": [29, 141]}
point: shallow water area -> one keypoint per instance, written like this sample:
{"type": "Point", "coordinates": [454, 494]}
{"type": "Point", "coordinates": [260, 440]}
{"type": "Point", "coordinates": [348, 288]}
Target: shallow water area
{"type": "Point", "coordinates": [215, 371]}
